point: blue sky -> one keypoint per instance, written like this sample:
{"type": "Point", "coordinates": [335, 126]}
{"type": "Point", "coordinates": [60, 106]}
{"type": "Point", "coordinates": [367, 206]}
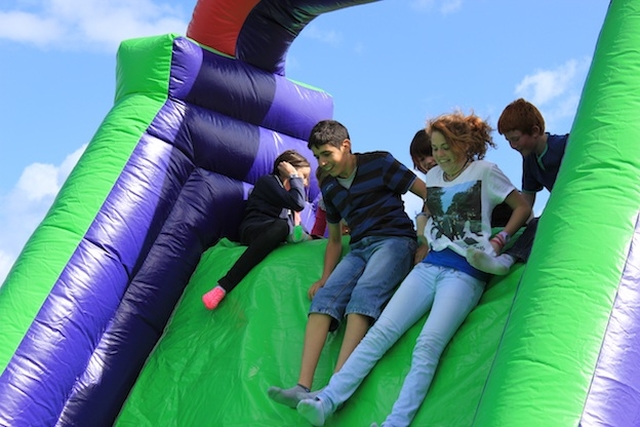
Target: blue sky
{"type": "Point", "coordinates": [390, 65]}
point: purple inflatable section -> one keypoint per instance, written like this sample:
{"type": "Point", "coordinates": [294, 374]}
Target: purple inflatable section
{"type": "Point", "coordinates": [239, 90]}
{"type": "Point", "coordinates": [183, 187]}
{"type": "Point", "coordinates": [617, 372]}
{"type": "Point", "coordinates": [86, 296]}
{"type": "Point", "coordinates": [272, 25]}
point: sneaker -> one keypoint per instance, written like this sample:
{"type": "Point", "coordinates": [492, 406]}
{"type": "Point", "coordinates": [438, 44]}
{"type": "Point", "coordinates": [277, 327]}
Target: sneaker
{"type": "Point", "coordinates": [212, 298]}
{"type": "Point", "coordinates": [297, 234]}
{"type": "Point", "coordinates": [289, 397]}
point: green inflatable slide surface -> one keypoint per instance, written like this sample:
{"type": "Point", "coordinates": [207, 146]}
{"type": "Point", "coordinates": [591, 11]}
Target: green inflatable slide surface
{"type": "Point", "coordinates": [214, 368]}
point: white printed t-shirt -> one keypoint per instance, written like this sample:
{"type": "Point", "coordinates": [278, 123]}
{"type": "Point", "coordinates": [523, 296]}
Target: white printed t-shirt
{"type": "Point", "coordinates": [461, 213]}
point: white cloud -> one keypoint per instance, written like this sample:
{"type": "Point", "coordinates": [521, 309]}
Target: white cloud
{"type": "Point", "coordinates": [556, 92]}
{"type": "Point", "coordinates": [450, 6]}
{"type": "Point", "coordinates": [101, 24]}
{"type": "Point", "coordinates": [29, 28]}
{"type": "Point", "coordinates": [444, 6]}
{"type": "Point", "coordinates": [546, 85]}
{"type": "Point", "coordinates": [6, 261]}
{"type": "Point", "coordinates": [24, 207]}
{"type": "Point", "coordinates": [422, 5]}
{"type": "Point", "coordinates": [313, 31]}
{"type": "Point", "coordinates": [38, 181]}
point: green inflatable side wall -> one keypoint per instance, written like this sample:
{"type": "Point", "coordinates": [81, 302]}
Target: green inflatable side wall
{"type": "Point", "coordinates": [138, 99]}
{"type": "Point", "coordinates": [546, 362]}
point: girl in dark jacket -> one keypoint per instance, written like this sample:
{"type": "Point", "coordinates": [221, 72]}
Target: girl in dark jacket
{"type": "Point", "coordinates": [269, 219]}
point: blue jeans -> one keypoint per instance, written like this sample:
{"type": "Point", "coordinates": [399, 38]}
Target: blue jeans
{"type": "Point", "coordinates": [451, 295]}
{"type": "Point", "coordinates": [364, 280]}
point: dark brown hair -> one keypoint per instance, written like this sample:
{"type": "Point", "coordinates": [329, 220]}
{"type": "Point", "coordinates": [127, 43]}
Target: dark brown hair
{"type": "Point", "coordinates": [420, 147]}
{"type": "Point", "coordinates": [296, 159]}
{"type": "Point", "coordinates": [329, 132]}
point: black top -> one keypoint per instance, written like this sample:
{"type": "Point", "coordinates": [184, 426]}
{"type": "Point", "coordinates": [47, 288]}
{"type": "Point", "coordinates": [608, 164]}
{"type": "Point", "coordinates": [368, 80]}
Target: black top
{"type": "Point", "coordinates": [269, 200]}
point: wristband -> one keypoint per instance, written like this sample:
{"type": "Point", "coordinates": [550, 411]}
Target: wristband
{"type": "Point", "coordinates": [422, 240]}
{"type": "Point", "coordinates": [505, 236]}
{"type": "Point", "coordinates": [500, 239]}
{"type": "Point", "coordinates": [294, 175]}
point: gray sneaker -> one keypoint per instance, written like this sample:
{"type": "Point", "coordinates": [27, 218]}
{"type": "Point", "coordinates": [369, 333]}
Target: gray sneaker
{"type": "Point", "coordinates": [290, 396]}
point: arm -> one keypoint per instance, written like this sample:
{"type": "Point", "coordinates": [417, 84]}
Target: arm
{"type": "Point", "coordinates": [419, 188]}
{"type": "Point", "coordinates": [423, 246]}
{"type": "Point", "coordinates": [520, 214]}
{"type": "Point", "coordinates": [530, 198]}
{"type": "Point", "coordinates": [331, 257]}
{"type": "Point", "coordinates": [276, 195]}
{"type": "Point", "coordinates": [421, 224]}
{"type": "Point", "coordinates": [294, 198]}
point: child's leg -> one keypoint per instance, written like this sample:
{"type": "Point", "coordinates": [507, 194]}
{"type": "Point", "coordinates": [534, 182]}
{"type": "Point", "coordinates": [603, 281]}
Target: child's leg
{"type": "Point", "coordinates": [456, 295]}
{"type": "Point", "coordinates": [497, 265]}
{"type": "Point", "coordinates": [388, 260]}
{"type": "Point", "coordinates": [357, 327]}
{"type": "Point", "coordinates": [413, 298]}
{"type": "Point", "coordinates": [315, 336]}
{"type": "Point", "coordinates": [501, 264]}
{"type": "Point", "coordinates": [263, 242]}
{"type": "Point", "coordinates": [326, 309]}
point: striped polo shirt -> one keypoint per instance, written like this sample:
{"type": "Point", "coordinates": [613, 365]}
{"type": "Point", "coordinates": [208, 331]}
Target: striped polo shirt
{"type": "Point", "coordinates": [373, 205]}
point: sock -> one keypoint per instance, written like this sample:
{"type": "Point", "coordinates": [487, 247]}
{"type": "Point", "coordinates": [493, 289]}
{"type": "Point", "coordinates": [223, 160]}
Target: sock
{"type": "Point", "coordinates": [498, 265]}
{"type": "Point", "coordinates": [212, 298]}
{"type": "Point", "coordinates": [290, 396]}
{"type": "Point", "coordinates": [298, 235]}
{"type": "Point", "coordinates": [315, 411]}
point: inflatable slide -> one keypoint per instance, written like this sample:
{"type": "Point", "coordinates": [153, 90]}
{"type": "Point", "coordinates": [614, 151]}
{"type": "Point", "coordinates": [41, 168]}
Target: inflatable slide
{"type": "Point", "coordinates": [102, 322]}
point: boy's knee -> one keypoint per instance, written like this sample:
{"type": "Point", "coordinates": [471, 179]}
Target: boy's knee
{"type": "Point", "coordinates": [323, 320]}
{"type": "Point", "coordinates": [359, 319]}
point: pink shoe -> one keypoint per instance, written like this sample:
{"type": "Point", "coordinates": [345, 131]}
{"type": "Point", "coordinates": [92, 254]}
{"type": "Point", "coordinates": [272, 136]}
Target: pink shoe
{"type": "Point", "coordinates": [212, 298]}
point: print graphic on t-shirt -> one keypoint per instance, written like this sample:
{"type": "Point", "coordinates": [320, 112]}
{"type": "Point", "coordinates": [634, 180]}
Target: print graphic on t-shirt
{"type": "Point", "coordinates": [456, 215]}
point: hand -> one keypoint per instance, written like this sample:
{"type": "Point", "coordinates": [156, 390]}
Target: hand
{"type": "Point", "coordinates": [421, 253]}
{"type": "Point", "coordinates": [314, 288]}
{"type": "Point", "coordinates": [286, 169]}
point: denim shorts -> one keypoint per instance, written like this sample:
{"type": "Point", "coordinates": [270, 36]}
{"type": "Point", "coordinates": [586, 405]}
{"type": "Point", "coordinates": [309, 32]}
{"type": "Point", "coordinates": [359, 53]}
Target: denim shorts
{"type": "Point", "coordinates": [364, 280]}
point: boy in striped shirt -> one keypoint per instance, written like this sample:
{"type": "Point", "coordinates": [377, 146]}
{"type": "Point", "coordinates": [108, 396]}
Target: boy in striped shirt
{"type": "Point", "coordinates": [364, 189]}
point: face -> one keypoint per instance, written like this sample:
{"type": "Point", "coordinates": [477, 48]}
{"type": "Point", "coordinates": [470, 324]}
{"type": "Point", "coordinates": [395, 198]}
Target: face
{"type": "Point", "coordinates": [443, 154]}
{"type": "Point", "coordinates": [333, 160]}
{"type": "Point", "coordinates": [425, 163]}
{"type": "Point", "coordinates": [522, 143]}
